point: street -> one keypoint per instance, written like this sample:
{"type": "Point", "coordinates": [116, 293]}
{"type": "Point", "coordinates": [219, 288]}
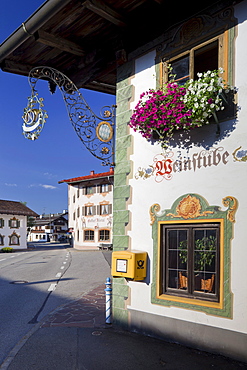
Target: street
{"type": "Point", "coordinates": [34, 283]}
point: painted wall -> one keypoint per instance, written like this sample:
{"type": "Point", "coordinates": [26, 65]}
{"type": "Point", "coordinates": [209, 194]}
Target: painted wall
{"type": "Point", "coordinates": [225, 176]}
{"type": "Point", "coordinates": [6, 231]}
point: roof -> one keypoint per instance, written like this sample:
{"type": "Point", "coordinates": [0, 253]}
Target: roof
{"type": "Point", "coordinates": [10, 207]}
{"type": "Point", "coordinates": [47, 219]}
{"type": "Point", "coordinates": [87, 39]}
{"type": "Point", "coordinates": [92, 176]}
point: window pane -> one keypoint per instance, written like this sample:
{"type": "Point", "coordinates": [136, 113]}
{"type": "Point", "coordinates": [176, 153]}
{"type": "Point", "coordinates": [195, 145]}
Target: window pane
{"type": "Point", "coordinates": [205, 260]}
{"type": "Point", "coordinates": [177, 259]}
{"type": "Point", "coordinates": [180, 68]}
{"type": "Point", "coordinates": [206, 58]}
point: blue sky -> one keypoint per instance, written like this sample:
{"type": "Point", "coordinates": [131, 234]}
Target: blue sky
{"type": "Point", "coordinates": [30, 170]}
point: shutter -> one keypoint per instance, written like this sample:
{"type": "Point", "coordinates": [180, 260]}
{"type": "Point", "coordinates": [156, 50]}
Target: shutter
{"type": "Point", "coordinates": [84, 190]}
{"type": "Point", "coordinates": [110, 208]}
{"type": "Point", "coordinates": [98, 210]}
{"type": "Point", "coordinates": [18, 224]}
{"type": "Point", "coordinates": [83, 209]}
{"type": "Point", "coordinates": [110, 187]}
{"type": "Point", "coordinates": [94, 210]}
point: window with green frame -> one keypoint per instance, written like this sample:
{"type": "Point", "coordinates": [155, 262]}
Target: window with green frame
{"type": "Point", "coordinates": [191, 255]}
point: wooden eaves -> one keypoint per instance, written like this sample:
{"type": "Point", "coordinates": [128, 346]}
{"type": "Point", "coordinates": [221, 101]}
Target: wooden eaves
{"type": "Point", "coordinates": [87, 39]}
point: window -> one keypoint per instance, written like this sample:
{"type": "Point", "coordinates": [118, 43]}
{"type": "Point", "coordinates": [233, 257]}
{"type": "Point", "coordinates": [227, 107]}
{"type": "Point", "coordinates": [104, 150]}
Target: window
{"type": "Point", "coordinates": [104, 209]}
{"type": "Point", "coordinates": [14, 223]}
{"type": "Point", "coordinates": [89, 211]}
{"type": "Point", "coordinates": [104, 188]}
{"type": "Point", "coordinates": [1, 222]}
{"type": "Point", "coordinates": [88, 235]}
{"type": "Point", "coordinates": [1, 239]}
{"type": "Point", "coordinates": [199, 59]}
{"type": "Point", "coordinates": [191, 260]}
{"type": "Point", "coordinates": [89, 190]}
{"type": "Point", "coordinates": [104, 235]}
{"type": "Point", "coordinates": [14, 239]}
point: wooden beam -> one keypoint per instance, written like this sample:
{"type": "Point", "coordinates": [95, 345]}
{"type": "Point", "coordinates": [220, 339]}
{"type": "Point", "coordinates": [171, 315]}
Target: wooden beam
{"type": "Point", "coordinates": [104, 11]}
{"type": "Point", "coordinates": [17, 68]}
{"type": "Point", "coordinates": [59, 43]}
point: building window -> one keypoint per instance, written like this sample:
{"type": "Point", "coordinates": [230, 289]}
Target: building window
{"type": "Point", "coordinates": [89, 210]}
{"type": "Point", "coordinates": [104, 235]}
{"type": "Point", "coordinates": [104, 209]}
{"type": "Point", "coordinates": [1, 222]}
{"type": "Point", "coordinates": [207, 56]}
{"type": "Point", "coordinates": [14, 223]}
{"type": "Point", "coordinates": [14, 239]}
{"type": "Point", "coordinates": [89, 235]}
{"type": "Point", "coordinates": [89, 190]}
{"type": "Point", "coordinates": [78, 212]}
{"type": "Point", "coordinates": [104, 188]}
{"type": "Point", "coordinates": [1, 239]}
{"type": "Point", "coordinates": [192, 259]}
{"type": "Point", "coordinates": [190, 254]}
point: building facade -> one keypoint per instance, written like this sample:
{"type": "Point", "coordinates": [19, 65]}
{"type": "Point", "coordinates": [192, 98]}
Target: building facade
{"type": "Point", "coordinates": [179, 198]}
{"type": "Point", "coordinates": [90, 201]}
{"type": "Point", "coordinates": [50, 228]}
{"type": "Point", "coordinates": [13, 224]}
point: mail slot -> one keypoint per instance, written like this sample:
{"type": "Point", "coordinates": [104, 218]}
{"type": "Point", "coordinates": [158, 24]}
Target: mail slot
{"type": "Point", "coordinates": [129, 264]}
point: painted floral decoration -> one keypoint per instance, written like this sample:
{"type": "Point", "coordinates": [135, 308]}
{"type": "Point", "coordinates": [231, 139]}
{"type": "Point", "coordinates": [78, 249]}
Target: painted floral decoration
{"type": "Point", "coordinates": [179, 107]}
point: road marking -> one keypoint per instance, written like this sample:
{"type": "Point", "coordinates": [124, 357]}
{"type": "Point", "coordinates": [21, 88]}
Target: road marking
{"type": "Point", "coordinates": [64, 263]}
{"type": "Point", "coordinates": [59, 274]}
{"type": "Point", "coordinates": [52, 287]}
{"type": "Point", "coordinates": [3, 259]}
{"type": "Point", "coordinates": [62, 267]}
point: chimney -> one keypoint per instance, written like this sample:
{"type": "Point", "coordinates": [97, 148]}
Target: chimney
{"type": "Point", "coordinates": [91, 173]}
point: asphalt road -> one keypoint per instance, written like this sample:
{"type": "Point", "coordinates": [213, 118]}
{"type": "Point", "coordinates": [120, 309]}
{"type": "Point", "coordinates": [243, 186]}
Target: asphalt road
{"type": "Point", "coordinates": [34, 283]}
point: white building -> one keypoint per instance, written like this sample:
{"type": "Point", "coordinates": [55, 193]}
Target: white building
{"type": "Point", "coordinates": [13, 224]}
{"type": "Point", "coordinates": [182, 195]}
{"type": "Point", "coordinates": [49, 228]}
{"type": "Point", "coordinates": [90, 209]}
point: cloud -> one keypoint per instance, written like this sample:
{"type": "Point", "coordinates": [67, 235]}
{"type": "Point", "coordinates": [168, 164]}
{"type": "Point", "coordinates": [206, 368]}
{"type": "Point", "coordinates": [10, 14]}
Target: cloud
{"type": "Point", "coordinates": [47, 186]}
{"type": "Point", "coordinates": [6, 184]}
{"type": "Point", "coordinates": [49, 175]}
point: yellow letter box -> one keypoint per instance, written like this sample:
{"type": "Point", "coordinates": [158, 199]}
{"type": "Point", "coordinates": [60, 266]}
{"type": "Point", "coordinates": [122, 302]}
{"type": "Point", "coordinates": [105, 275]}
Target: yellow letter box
{"type": "Point", "coordinates": [129, 264]}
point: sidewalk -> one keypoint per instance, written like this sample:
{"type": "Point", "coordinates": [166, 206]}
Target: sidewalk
{"type": "Point", "coordinates": [75, 337]}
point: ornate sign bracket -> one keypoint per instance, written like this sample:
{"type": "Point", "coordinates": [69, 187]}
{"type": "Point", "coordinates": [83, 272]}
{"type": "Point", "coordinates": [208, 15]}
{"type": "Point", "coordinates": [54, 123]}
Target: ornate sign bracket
{"type": "Point", "coordinates": [95, 132]}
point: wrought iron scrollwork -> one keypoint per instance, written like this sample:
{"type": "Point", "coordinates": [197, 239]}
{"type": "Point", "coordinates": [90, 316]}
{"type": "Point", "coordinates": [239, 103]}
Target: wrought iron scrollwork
{"type": "Point", "coordinates": [95, 132]}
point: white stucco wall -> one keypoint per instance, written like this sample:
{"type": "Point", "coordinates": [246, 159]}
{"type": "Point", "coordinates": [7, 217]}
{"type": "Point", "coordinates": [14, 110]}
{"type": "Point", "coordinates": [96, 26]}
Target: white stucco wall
{"type": "Point", "coordinates": [6, 231]}
{"type": "Point", "coordinates": [213, 183]}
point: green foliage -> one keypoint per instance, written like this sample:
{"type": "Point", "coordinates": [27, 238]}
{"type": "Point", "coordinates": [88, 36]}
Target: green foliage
{"type": "Point", "coordinates": [204, 252]}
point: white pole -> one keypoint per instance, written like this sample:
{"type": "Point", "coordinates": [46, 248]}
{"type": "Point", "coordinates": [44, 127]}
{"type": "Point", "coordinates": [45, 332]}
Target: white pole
{"type": "Point", "coordinates": [108, 291]}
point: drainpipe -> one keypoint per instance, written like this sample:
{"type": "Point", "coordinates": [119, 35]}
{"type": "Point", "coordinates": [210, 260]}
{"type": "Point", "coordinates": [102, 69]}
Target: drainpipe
{"type": "Point", "coordinates": [30, 26]}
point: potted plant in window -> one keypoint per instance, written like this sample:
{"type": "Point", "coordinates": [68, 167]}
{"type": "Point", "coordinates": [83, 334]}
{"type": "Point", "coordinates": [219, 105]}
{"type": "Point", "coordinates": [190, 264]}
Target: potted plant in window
{"type": "Point", "coordinates": [159, 113]}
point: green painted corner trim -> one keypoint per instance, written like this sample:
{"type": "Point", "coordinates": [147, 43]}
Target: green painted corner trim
{"type": "Point", "coordinates": [202, 212]}
{"type": "Point", "coordinates": [121, 193]}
